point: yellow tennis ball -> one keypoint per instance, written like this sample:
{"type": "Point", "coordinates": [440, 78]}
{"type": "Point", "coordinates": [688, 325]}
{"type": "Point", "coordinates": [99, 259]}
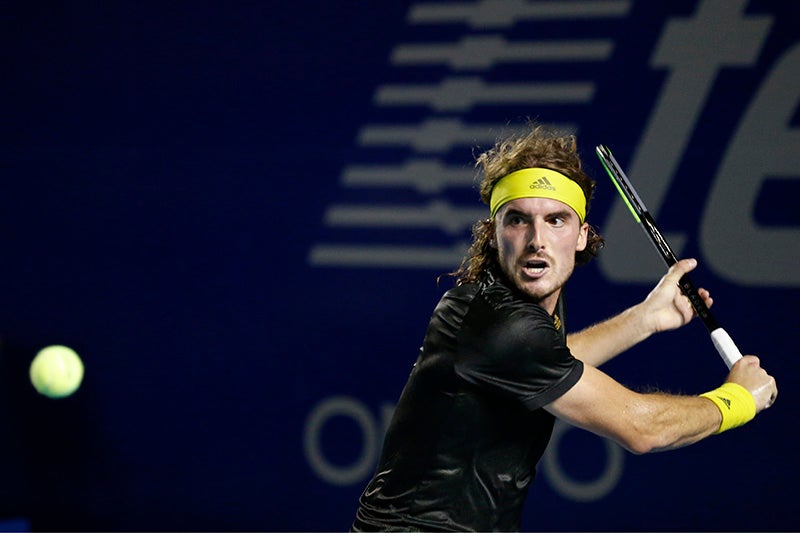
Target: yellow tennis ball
{"type": "Point", "coordinates": [56, 371]}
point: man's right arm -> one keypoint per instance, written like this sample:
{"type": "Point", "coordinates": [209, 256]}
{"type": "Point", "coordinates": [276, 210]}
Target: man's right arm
{"type": "Point", "coordinates": [665, 308]}
{"type": "Point", "coordinates": [644, 423]}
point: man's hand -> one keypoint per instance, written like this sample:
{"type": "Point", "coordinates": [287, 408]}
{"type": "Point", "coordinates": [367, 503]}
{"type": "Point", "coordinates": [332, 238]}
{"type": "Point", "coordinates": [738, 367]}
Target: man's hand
{"type": "Point", "coordinates": [748, 373]}
{"type": "Point", "coordinates": [666, 307]}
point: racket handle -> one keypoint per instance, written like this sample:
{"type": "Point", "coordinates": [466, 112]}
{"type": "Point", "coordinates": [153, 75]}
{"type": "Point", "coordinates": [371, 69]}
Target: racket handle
{"type": "Point", "coordinates": [726, 347]}
{"type": "Point", "coordinates": [700, 307]}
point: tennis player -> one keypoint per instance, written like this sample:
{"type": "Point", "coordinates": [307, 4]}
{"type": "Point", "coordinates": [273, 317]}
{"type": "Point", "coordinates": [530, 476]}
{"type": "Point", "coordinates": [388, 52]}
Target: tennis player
{"type": "Point", "coordinates": [496, 366]}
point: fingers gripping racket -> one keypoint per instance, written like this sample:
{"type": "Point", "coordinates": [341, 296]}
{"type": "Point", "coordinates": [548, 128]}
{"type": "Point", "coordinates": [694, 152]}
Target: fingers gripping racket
{"type": "Point", "coordinates": [722, 341]}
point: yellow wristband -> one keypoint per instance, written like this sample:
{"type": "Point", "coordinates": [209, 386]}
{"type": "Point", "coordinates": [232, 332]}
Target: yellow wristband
{"type": "Point", "coordinates": [735, 403]}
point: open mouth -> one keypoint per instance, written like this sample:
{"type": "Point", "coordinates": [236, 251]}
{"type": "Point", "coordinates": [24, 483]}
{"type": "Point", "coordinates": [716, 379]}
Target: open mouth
{"type": "Point", "coordinates": [535, 267]}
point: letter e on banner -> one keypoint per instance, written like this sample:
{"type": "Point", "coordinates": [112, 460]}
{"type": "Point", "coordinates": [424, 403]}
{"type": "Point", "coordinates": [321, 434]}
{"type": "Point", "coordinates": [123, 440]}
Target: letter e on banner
{"type": "Point", "coordinates": [735, 245]}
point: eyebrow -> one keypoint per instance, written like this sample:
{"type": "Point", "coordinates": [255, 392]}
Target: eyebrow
{"type": "Point", "coordinates": [563, 213]}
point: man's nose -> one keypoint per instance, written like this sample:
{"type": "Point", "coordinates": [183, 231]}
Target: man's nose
{"type": "Point", "coordinates": [535, 241]}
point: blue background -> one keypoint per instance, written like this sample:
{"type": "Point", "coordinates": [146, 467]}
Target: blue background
{"type": "Point", "coordinates": [167, 170]}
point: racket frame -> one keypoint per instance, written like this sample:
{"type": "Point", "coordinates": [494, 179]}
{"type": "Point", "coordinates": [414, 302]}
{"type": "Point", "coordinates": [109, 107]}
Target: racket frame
{"type": "Point", "coordinates": [722, 341]}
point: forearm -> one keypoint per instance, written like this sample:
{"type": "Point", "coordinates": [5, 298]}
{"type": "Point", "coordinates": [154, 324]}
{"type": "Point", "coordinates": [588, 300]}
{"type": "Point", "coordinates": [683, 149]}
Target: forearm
{"type": "Point", "coordinates": [603, 341]}
{"type": "Point", "coordinates": [665, 308]}
{"type": "Point", "coordinates": [683, 420]}
{"type": "Point", "coordinates": [666, 422]}
{"type": "Point", "coordinates": [641, 423]}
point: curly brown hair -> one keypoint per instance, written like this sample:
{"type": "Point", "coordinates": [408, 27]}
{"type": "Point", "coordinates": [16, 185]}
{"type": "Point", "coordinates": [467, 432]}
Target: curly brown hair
{"type": "Point", "coordinates": [541, 147]}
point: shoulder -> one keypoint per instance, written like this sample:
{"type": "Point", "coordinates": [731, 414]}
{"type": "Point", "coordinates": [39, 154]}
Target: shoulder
{"type": "Point", "coordinates": [512, 346]}
{"type": "Point", "coordinates": [502, 324]}
{"type": "Point", "coordinates": [497, 314]}
{"type": "Point", "coordinates": [510, 307]}
{"type": "Point", "coordinates": [457, 300]}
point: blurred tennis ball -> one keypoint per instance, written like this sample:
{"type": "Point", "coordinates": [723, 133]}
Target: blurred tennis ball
{"type": "Point", "coordinates": [56, 371]}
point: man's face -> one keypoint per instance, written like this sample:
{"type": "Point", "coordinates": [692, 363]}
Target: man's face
{"type": "Point", "coordinates": [536, 240]}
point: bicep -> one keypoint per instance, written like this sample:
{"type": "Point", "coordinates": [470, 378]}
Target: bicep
{"type": "Point", "coordinates": [603, 406]}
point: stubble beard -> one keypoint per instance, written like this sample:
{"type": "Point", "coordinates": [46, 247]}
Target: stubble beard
{"type": "Point", "coordinates": [539, 292]}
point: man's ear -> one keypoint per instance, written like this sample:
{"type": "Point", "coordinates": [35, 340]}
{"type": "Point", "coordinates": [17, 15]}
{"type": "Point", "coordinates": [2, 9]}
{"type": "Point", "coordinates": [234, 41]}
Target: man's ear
{"type": "Point", "coordinates": [583, 238]}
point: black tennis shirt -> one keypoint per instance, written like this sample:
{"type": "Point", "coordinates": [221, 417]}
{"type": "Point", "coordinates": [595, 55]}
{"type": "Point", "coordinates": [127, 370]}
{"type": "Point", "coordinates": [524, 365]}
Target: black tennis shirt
{"type": "Point", "coordinates": [462, 447]}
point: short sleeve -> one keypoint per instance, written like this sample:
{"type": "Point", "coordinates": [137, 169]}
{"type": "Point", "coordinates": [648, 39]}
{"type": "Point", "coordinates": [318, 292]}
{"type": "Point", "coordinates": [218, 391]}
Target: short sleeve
{"type": "Point", "coordinates": [518, 354]}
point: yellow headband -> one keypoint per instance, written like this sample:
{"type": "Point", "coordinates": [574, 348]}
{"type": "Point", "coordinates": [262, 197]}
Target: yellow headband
{"type": "Point", "coordinates": [538, 183]}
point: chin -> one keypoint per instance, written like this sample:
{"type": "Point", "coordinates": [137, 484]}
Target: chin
{"type": "Point", "coordinates": [533, 293]}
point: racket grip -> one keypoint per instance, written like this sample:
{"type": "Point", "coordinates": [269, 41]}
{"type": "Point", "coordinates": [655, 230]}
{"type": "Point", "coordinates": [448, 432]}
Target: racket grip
{"type": "Point", "coordinates": [690, 291]}
{"type": "Point", "coordinates": [726, 347]}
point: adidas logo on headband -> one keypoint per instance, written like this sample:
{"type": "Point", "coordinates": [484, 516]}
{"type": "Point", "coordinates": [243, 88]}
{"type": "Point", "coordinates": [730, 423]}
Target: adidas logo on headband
{"type": "Point", "coordinates": [542, 183]}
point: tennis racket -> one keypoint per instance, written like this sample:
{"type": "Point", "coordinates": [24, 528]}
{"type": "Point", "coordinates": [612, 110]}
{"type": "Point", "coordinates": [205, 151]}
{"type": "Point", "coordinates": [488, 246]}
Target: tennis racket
{"type": "Point", "coordinates": [722, 341]}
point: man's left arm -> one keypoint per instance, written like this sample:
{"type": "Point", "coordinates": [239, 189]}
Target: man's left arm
{"type": "Point", "coordinates": [664, 308]}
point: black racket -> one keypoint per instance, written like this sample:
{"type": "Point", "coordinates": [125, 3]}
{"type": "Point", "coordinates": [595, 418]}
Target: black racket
{"type": "Point", "coordinates": [722, 341]}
